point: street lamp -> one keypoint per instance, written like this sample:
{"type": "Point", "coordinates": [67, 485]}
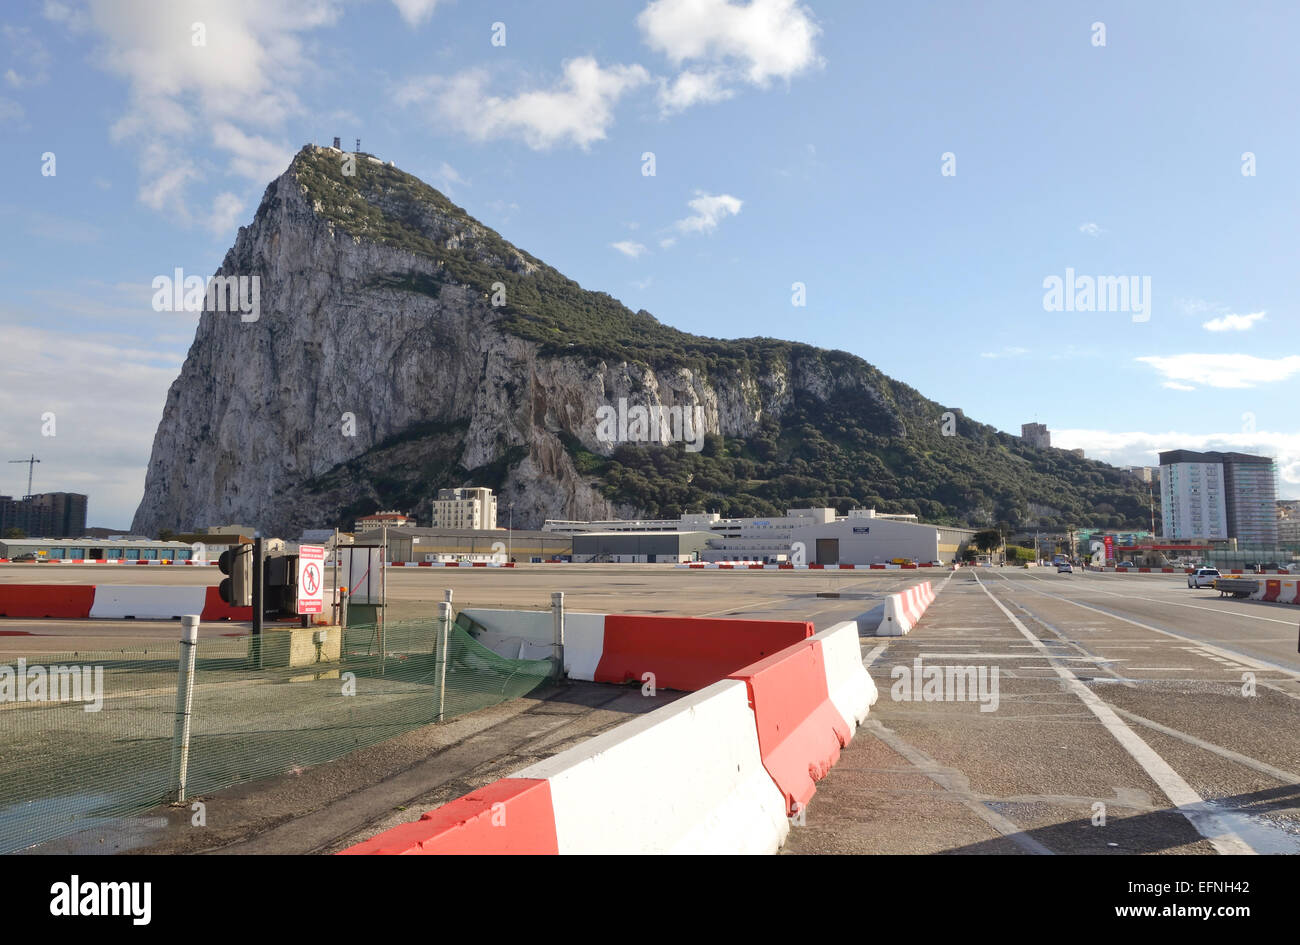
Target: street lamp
{"type": "Point", "coordinates": [510, 534]}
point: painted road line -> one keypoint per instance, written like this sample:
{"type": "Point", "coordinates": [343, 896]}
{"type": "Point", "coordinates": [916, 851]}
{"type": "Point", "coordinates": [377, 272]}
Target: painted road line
{"type": "Point", "coordinates": [1286, 777]}
{"type": "Point", "coordinates": [1250, 661]}
{"type": "Point", "coordinates": [870, 659]}
{"type": "Point", "coordinates": [1173, 603]}
{"type": "Point", "coordinates": [1190, 804]}
{"type": "Point", "coordinates": [943, 776]}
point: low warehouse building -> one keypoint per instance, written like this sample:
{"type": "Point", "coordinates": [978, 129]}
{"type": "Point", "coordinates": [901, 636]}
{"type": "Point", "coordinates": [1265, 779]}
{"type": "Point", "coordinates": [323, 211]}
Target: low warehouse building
{"type": "Point", "coordinates": [95, 549]}
{"type": "Point", "coordinates": [639, 547]}
{"type": "Point", "coordinates": [440, 544]}
{"type": "Point", "coordinates": [865, 539]}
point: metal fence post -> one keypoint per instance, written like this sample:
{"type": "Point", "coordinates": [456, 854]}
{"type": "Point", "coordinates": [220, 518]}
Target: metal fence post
{"type": "Point", "coordinates": [184, 702]}
{"type": "Point", "coordinates": [444, 636]}
{"type": "Point", "coordinates": [557, 631]}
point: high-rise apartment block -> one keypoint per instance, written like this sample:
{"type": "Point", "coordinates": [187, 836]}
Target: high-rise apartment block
{"type": "Point", "coordinates": [1219, 495]}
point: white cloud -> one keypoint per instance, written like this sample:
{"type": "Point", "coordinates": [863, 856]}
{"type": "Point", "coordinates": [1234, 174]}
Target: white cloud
{"type": "Point", "coordinates": [1224, 370]}
{"type": "Point", "coordinates": [1232, 322]}
{"type": "Point", "coordinates": [1175, 385]}
{"type": "Point", "coordinates": [763, 39]}
{"type": "Point", "coordinates": [226, 212]}
{"type": "Point", "coordinates": [1091, 229]}
{"type": "Point", "coordinates": [629, 248]}
{"type": "Point", "coordinates": [27, 52]}
{"type": "Point", "coordinates": [231, 97]}
{"type": "Point", "coordinates": [692, 88]}
{"type": "Point", "coordinates": [446, 178]}
{"type": "Point", "coordinates": [10, 110]}
{"type": "Point", "coordinates": [1006, 353]}
{"type": "Point", "coordinates": [578, 109]}
{"type": "Point", "coordinates": [1135, 448]}
{"type": "Point", "coordinates": [116, 431]}
{"type": "Point", "coordinates": [1198, 306]}
{"type": "Point", "coordinates": [415, 12]}
{"type": "Point", "coordinates": [75, 20]}
{"type": "Point", "coordinates": [709, 209]}
{"type": "Point", "coordinates": [668, 242]}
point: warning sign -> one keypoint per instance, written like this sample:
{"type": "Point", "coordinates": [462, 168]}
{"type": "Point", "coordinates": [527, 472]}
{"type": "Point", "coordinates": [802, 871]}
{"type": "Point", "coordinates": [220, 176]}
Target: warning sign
{"type": "Point", "coordinates": [311, 579]}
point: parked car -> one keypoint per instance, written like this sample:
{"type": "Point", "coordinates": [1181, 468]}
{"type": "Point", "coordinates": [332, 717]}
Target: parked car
{"type": "Point", "coordinates": [1064, 568]}
{"type": "Point", "coordinates": [1127, 564]}
{"type": "Point", "coordinates": [29, 556]}
{"type": "Point", "coordinates": [1204, 577]}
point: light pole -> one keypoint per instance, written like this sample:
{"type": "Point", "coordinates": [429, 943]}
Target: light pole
{"type": "Point", "coordinates": [510, 534]}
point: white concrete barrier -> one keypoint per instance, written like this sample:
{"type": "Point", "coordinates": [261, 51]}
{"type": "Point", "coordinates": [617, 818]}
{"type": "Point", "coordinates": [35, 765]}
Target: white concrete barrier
{"type": "Point", "coordinates": [851, 687]}
{"type": "Point", "coordinates": [904, 609]}
{"type": "Point", "coordinates": [146, 602]}
{"type": "Point", "coordinates": [686, 778]}
{"type": "Point", "coordinates": [529, 635]}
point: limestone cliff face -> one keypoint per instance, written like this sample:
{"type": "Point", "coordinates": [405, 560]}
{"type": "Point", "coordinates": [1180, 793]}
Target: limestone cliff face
{"type": "Point", "coordinates": [375, 372]}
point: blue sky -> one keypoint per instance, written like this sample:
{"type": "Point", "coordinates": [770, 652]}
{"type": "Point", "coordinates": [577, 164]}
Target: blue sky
{"type": "Point", "coordinates": [793, 142]}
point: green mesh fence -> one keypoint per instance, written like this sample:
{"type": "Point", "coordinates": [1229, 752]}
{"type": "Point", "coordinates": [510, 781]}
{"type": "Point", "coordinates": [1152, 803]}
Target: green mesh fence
{"type": "Point", "coordinates": [64, 769]}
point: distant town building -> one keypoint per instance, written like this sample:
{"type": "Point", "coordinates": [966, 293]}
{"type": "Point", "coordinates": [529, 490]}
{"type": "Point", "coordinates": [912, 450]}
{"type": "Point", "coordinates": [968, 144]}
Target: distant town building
{"type": "Point", "coordinates": [389, 519]}
{"type": "Point", "coordinates": [226, 530]}
{"type": "Point", "coordinates": [1036, 435]}
{"type": "Point", "coordinates": [1078, 453]}
{"type": "Point", "coordinates": [472, 508]}
{"type": "Point", "coordinates": [1288, 522]}
{"type": "Point", "coordinates": [45, 515]}
{"type": "Point", "coordinates": [1144, 473]}
{"type": "Point", "coordinates": [1219, 495]}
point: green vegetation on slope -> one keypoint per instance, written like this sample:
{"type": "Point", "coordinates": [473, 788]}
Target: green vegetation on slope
{"type": "Point", "coordinates": [873, 442]}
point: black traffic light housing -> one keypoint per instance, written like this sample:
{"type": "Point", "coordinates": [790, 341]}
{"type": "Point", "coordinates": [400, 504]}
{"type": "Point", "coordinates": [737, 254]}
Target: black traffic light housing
{"type": "Point", "coordinates": [237, 562]}
{"type": "Point", "coordinates": [280, 586]}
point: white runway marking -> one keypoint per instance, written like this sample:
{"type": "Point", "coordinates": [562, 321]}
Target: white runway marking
{"type": "Point", "coordinates": [1190, 804]}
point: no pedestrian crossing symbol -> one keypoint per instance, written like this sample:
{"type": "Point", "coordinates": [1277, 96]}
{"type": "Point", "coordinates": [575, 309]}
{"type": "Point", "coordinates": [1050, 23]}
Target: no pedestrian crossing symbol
{"type": "Point", "coordinates": [311, 579]}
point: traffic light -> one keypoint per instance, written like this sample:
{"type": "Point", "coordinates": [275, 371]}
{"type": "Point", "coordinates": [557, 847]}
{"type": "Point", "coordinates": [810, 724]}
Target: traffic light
{"type": "Point", "coordinates": [237, 589]}
{"type": "Point", "coordinates": [280, 589]}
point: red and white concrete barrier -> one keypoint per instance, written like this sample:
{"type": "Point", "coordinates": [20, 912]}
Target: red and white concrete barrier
{"type": "Point", "coordinates": [681, 652]}
{"type": "Point", "coordinates": [717, 771]}
{"type": "Point", "coordinates": [1278, 591]}
{"type": "Point", "coordinates": [904, 609]}
{"type": "Point", "coordinates": [451, 564]}
{"type": "Point", "coordinates": [142, 602]}
{"type": "Point", "coordinates": [686, 778]}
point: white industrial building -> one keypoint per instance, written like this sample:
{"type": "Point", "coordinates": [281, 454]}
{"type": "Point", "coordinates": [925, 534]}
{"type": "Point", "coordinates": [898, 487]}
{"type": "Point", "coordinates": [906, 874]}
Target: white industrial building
{"type": "Point", "coordinates": [807, 536]}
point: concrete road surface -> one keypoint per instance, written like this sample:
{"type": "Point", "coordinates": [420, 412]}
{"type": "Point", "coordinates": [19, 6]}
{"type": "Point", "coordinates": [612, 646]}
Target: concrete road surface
{"type": "Point", "coordinates": [1132, 715]}
{"type": "Point", "coordinates": [1128, 714]}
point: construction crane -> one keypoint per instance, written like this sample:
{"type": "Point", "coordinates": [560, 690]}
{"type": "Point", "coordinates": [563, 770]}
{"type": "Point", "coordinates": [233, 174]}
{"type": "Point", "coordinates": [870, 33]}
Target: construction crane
{"type": "Point", "coordinates": [31, 463]}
